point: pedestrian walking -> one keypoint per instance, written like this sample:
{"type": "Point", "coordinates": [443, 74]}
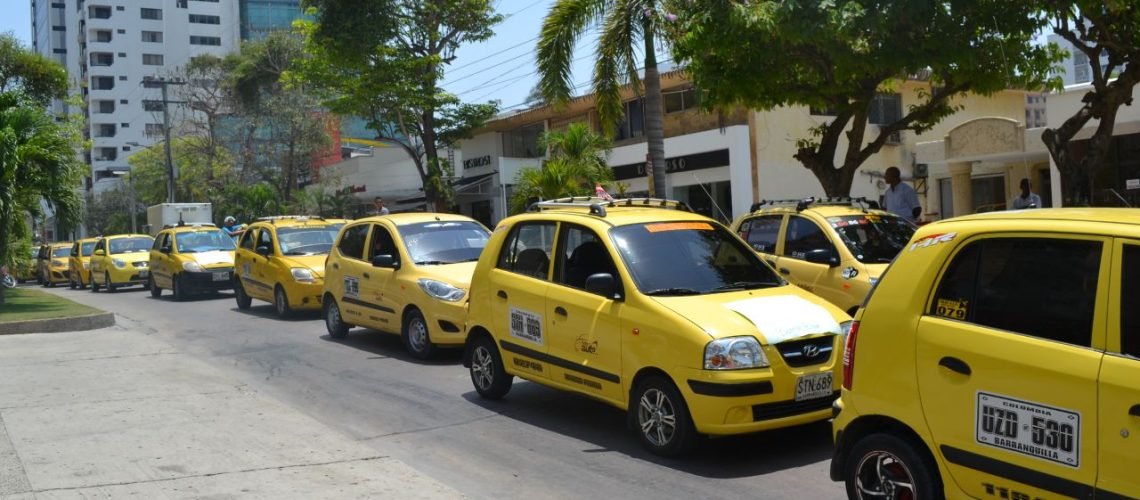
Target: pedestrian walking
{"type": "Point", "coordinates": [1028, 198]}
{"type": "Point", "coordinates": [900, 198]}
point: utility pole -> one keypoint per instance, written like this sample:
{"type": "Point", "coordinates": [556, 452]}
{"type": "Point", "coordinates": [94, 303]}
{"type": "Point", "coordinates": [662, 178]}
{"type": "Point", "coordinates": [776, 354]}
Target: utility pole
{"type": "Point", "coordinates": [162, 82]}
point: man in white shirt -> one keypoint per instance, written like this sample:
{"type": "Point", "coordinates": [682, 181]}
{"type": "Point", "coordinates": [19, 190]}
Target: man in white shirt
{"type": "Point", "coordinates": [1028, 199]}
{"type": "Point", "coordinates": [900, 198]}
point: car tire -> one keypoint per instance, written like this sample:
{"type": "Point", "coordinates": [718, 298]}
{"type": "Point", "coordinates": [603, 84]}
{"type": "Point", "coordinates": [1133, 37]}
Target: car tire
{"type": "Point", "coordinates": [155, 291]}
{"type": "Point", "coordinates": [879, 463]}
{"type": "Point", "coordinates": [108, 283]}
{"type": "Point", "coordinates": [79, 282]}
{"type": "Point", "coordinates": [71, 282]}
{"type": "Point", "coordinates": [243, 299]}
{"type": "Point", "coordinates": [661, 417]}
{"type": "Point", "coordinates": [488, 376]}
{"type": "Point", "coordinates": [178, 289]}
{"type": "Point", "coordinates": [94, 284]}
{"type": "Point", "coordinates": [417, 340]}
{"type": "Point", "coordinates": [281, 303]}
{"type": "Point", "coordinates": [334, 322]}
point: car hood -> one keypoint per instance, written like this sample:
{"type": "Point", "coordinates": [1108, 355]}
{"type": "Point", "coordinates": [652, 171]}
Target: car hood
{"type": "Point", "coordinates": [212, 257]}
{"type": "Point", "coordinates": [315, 263]}
{"type": "Point", "coordinates": [458, 274]}
{"type": "Point", "coordinates": [774, 315]}
{"type": "Point", "coordinates": [132, 257]}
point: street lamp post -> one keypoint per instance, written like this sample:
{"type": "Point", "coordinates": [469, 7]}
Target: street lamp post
{"type": "Point", "coordinates": [131, 189]}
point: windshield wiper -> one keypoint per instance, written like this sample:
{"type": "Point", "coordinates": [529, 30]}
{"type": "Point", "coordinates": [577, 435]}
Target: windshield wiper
{"type": "Point", "coordinates": [430, 262]}
{"type": "Point", "coordinates": [294, 252]}
{"type": "Point", "coordinates": [673, 291]}
{"type": "Point", "coordinates": [745, 285]}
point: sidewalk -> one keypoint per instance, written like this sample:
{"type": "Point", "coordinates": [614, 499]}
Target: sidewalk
{"type": "Point", "coordinates": [113, 413]}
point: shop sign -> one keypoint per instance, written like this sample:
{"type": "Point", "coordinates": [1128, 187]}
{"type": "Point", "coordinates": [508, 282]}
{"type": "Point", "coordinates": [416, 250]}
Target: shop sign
{"type": "Point", "coordinates": [478, 161]}
{"type": "Point", "coordinates": [698, 161]}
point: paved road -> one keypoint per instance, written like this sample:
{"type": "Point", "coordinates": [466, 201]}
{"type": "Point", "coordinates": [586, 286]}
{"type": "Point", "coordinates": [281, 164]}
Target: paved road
{"type": "Point", "coordinates": [535, 443]}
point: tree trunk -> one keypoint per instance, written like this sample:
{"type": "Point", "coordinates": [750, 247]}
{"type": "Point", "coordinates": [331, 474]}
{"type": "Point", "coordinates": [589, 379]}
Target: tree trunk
{"type": "Point", "coordinates": [431, 161]}
{"type": "Point", "coordinates": [654, 123]}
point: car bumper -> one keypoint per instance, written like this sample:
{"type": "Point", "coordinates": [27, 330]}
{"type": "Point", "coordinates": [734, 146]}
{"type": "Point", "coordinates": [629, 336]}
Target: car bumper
{"type": "Point", "coordinates": [58, 275]}
{"type": "Point", "coordinates": [208, 280]}
{"type": "Point", "coordinates": [445, 322]}
{"type": "Point", "coordinates": [304, 296]}
{"type": "Point", "coordinates": [736, 403]}
{"type": "Point", "coordinates": [129, 275]}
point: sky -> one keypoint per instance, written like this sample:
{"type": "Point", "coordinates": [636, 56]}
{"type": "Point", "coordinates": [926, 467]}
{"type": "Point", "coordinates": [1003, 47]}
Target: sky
{"type": "Point", "coordinates": [17, 19]}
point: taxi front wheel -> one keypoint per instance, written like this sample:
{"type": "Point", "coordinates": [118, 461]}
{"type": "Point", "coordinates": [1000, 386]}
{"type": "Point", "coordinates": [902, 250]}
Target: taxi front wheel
{"type": "Point", "coordinates": [334, 322]}
{"type": "Point", "coordinates": [243, 299]}
{"type": "Point", "coordinates": [664, 425]}
{"type": "Point", "coordinates": [487, 374]}
{"type": "Point", "coordinates": [155, 291]}
{"type": "Point", "coordinates": [887, 466]}
{"type": "Point", "coordinates": [415, 334]}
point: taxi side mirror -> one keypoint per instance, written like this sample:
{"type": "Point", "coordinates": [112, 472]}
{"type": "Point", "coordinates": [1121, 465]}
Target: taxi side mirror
{"type": "Point", "coordinates": [100, 252]}
{"type": "Point", "coordinates": [385, 260]}
{"type": "Point", "coordinates": [264, 250]}
{"type": "Point", "coordinates": [603, 284]}
{"type": "Point", "coordinates": [823, 256]}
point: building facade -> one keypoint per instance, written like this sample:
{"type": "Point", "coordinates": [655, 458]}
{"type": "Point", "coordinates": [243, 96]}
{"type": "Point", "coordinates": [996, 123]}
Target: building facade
{"type": "Point", "coordinates": [261, 17]}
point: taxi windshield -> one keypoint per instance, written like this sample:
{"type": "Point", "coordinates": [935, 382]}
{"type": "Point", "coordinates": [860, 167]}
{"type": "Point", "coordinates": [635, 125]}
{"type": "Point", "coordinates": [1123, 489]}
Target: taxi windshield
{"type": "Point", "coordinates": [206, 240]}
{"type": "Point", "coordinates": [61, 252]}
{"type": "Point", "coordinates": [873, 238]}
{"type": "Point", "coordinates": [307, 240]}
{"type": "Point", "coordinates": [130, 245]}
{"type": "Point", "coordinates": [85, 249]}
{"type": "Point", "coordinates": [444, 242]}
{"type": "Point", "coordinates": [689, 258]}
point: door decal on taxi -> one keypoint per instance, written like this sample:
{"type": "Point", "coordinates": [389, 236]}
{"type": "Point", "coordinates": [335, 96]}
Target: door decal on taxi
{"type": "Point", "coordinates": [1032, 429]}
{"type": "Point", "coordinates": [351, 287]}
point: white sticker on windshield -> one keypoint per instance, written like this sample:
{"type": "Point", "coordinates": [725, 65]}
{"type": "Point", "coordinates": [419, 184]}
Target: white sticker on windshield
{"type": "Point", "coordinates": [1029, 428]}
{"type": "Point", "coordinates": [526, 325]}
{"type": "Point", "coordinates": [785, 317]}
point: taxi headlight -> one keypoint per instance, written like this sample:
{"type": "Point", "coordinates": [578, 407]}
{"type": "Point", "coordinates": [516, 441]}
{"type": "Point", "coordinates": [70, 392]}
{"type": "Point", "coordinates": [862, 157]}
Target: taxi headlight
{"type": "Point", "coordinates": [119, 263]}
{"type": "Point", "coordinates": [735, 353]}
{"type": "Point", "coordinates": [302, 275]}
{"type": "Point", "coordinates": [192, 266]}
{"type": "Point", "coordinates": [441, 290]}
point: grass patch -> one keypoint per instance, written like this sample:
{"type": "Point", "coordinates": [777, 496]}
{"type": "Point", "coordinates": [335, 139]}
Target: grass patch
{"type": "Point", "coordinates": [22, 304]}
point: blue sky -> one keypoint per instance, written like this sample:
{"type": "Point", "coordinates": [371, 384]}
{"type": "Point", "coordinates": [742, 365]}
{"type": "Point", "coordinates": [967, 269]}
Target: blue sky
{"type": "Point", "coordinates": [501, 68]}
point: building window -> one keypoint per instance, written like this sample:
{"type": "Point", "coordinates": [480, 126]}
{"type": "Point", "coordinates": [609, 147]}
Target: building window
{"type": "Point", "coordinates": [105, 130]}
{"type": "Point", "coordinates": [123, 78]}
{"type": "Point", "coordinates": [121, 31]}
{"type": "Point", "coordinates": [106, 154]}
{"type": "Point", "coordinates": [522, 142]}
{"type": "Point", "coordinates": [152, 36]}
{"type": "Point", "coordinates": [204, 19]}
{"type": "Point", "coordinates": [153, 129]}
{"type": "Point", "coordinates": [126, 148]}
{"type": "Point", "coordinates": [680, 100]}
{"type": "Point", "coordinates": [208, 1]}
{"type": "Point", "coordinates": [885, 109]}
{"type": "Point", "coordinates": [103, 36]}
{"type": "Point", "coordinates": [155, 14]}
{"type": "Point", "coordinates": [102, 82]}
{"type": "Point", "coordinates": [105, 107]}
{"type": "Point", "coordinates": [99, 12]}
{"type": "Point", "coordinates": [632, 122]}
{"type": "Point", "coordinates": [102, 59]}
{"type": "Point", "coordinates": [152, 59]}
{"type": "Point", "coordinates": [124, 125]}
{"type": "Point", "coordinates": [124, 101]}
{"type": "Point", "coordinates": [205, 40]}
{"type": "Point", "coordinates": [152, 105]}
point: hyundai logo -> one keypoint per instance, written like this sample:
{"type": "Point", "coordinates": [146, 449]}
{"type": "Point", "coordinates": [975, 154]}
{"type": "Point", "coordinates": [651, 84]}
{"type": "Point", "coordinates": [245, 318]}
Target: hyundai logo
{"type": "Point", "coordinates": [810, 351]}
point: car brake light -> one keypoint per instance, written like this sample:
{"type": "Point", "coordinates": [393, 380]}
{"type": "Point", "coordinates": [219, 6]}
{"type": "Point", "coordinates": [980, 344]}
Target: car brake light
{"type": "Point", "coordinates": [849, 357]}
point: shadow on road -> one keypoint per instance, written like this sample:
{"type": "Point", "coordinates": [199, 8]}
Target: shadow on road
{"type": "Point", "coordinates": [193, 297]}
{"type": "Point", "coordinates": [386, 345]}
{"type": "Point", "coordinates": [267, 311]}
{"type": "Point", "coordinates": [605, 427]}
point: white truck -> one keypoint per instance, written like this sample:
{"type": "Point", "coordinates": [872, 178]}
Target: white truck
{"type": "Point", "coordinates": [163, 214]}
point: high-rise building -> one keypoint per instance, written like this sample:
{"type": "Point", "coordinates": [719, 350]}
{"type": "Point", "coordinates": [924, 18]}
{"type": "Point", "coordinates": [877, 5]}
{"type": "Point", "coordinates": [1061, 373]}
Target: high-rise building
{"type": "Point", "coordinates": [1075, 69]}
{"type": "Point", "coordinates": [109, 47]}
{"type": "Point", "coordinates": [259, 17]}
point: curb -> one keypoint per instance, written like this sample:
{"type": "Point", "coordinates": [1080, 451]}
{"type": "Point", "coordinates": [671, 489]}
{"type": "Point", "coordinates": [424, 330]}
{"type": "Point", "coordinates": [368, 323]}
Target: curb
{"type": "Point", "coordinates": [57, 325]}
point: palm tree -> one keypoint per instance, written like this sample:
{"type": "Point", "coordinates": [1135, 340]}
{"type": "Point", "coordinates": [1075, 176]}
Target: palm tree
{"type": "Point", "coordinates": [623, 24]}
{"type": "Point", "coordinates": [37, 160]}
{"type": "Point", "coordinates": [577, 162]}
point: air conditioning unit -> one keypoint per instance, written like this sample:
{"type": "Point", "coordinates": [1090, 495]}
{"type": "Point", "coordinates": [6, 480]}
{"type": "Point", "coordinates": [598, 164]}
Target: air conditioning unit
{"type": "Point", "coordinates": [895, 138]}
{"type": "Point", "coordinates": [921, 171]}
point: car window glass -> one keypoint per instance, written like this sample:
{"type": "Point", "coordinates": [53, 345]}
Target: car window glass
{"type": "Point", "coordinates": [204, 240]}
{"type": "Point", "coordinates": [75, 249]}
{"type": "Point", "coordinates": [1044, 287]}
{"type": "Point", "coordinates": [306, 240]}
{"type": "Point", "coordinates": [804, 236]}
{"type": "Point", "coordinates": [581, 254]}
{"type": "Point", "coordinates": [873, 238]}
{"type": "Point", "coordinates": [443, 242]}
{"type": "Point", "coordinates": [86, 248]}
{"type": "Point", "coordinates": [131, 244]}
{"type": "Point", "coordinates": [99, 246]}
{"type": "Point", "coordinates": [528, 249]}
{"type": "Point", "coordinates": [264, 239]}
{"type": "Point", "coordinates": [762, 232]}
{"type": "Point", "coordinates": [352, 242]}
{"type": "Point", "coordinates": [247, 239]}
{"type": "Point", "coordinates": [381, 243]}
{"type": "Point", "coordinates": [1130, 302]}
{"type": "Point", "coordinates": [61, 252]}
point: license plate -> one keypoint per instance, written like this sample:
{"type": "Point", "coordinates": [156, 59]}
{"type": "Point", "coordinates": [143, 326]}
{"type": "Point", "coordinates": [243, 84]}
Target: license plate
{"type": "Point", "coordinates": [1029, 428]}
{"type": "Point", "coordinates": [222, 276]}
{"type": "Point", "coordinates": [143, 273]}
{"type": "Point", "coordinates": [813, 386]}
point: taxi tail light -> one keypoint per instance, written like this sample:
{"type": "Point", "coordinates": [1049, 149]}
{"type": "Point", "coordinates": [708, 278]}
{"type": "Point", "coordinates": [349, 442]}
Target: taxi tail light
{"type": "Point", "coordinates": [849, 357]}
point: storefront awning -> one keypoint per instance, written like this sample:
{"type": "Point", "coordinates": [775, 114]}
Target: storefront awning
{"type": "Point", "coordinates": [474, 185]}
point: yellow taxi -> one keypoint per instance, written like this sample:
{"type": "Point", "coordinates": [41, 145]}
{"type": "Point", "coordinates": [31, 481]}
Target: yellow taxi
{"type": "Point", "coordinates": [653, 309]}
{"type": "Point", "coordinates": [281, 260]}
{"type": "Point", "coordinates": [191, 258]}
{"type": "Point", "coordinates": [120, 260]}
{"type": "Point", "coordinates": [999, 357]}
{"type": "Point", "coordinates": [405, 274]}
{"type": "Point", "coordinates": [79, 263]}
{"type": "Point", "coordinates": [53, 263]}
{"type": "Point", "coordinates": [833, 247]}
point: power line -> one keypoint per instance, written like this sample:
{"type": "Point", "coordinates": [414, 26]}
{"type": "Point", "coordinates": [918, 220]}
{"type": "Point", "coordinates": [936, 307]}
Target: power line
{"type": "Point", "coordinates": [497, 80]}
{"type": "Point", "coordinates": [484, 58]}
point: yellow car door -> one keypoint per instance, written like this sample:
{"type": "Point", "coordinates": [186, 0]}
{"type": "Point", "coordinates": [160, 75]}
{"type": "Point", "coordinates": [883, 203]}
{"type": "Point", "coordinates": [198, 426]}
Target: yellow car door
{"type": "Point", "coordinates": [810, 260]}
{"type": "Point", "coordinates": [1008, 353]}
{"type": "Point", "coordinates": [376, 275]}
{"type": "Point", "coordinates": [1119, 393]}
{"type": "Point", "coordinates": [585, 343]}
{"type": "Point", "coordinates": [762, 233]}
{"type": "Point", "coordinates": [244, 258]}
{"type": "Point", "coordinates": [520, 282]}
{"type": "Point", "coordinates": [98, 259]}
{"type": "Point", "coordinates": [345, 271]}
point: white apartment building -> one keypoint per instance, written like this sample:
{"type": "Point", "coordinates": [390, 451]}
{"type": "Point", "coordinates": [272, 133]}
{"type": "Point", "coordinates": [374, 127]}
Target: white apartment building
{"type": "Point", "coordinates": [110, 46]}
{"type": "Point", "coordinates": [1075, 68]}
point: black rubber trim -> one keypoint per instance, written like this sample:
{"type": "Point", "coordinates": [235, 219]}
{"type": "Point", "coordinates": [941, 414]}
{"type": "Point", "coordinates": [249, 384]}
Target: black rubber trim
{"type": "Point", "coordinates": [730, 390]}
{"type": "Point", "coordinates": [257, 283]}
{"type": "Point", "coordinates": [361, 303]}
{"type": "Point", "coordinates": [569, 365]}
{"type": "Point", "coordinates": [1017, 473]}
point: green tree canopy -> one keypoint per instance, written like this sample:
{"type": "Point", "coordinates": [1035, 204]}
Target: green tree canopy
{"type": "Point", "coordinates": [838, 54]}
{"type": "Point", "coordinates": [577, 162]}
{"type": "Point", "coordinates": [39, 78]}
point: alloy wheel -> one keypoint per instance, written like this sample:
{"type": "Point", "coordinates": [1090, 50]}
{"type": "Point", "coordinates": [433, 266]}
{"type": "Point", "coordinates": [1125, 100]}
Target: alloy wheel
{"type": "Point", "coordinates": [657, 417]}
{"type": "Point", "coordinates": [881, 474]}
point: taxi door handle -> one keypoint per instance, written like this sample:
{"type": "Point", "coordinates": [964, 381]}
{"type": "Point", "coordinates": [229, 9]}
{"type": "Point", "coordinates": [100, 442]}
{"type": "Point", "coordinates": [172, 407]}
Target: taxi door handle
{"type": "Point", "coordinates": [366, 276]}
{"type": "Point", "coordinates": [502, 294]}
{"type": "Point", "coordinates": [784, 270]}
{"type": "Point", "coordinates": [1134, 411]}
{"type": "Point", "coordinates": [560, 311]}
{"type": "Point", "coordinates": [955, 365]}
